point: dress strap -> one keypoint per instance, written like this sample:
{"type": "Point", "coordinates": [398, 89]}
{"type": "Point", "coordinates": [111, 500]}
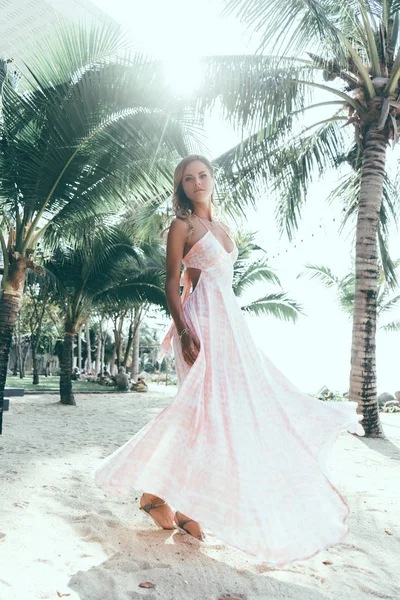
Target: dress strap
{"type": "Point", "coordinates": [200, 219]}
{"type": "Point", "coordinates": [224, 227]}
{"type": "Point", "coordinates": [219, 223]}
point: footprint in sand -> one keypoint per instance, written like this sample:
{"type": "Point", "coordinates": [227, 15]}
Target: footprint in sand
{"type": "Point", "coordinates": [51, 487]}
{"type": "Point", "coordinates": [43, 560]}
{"type": "Point", "coordinates": [358, 569]}
{"type": "Point", "coordinates": [349, 547]}
{"type": "Point", "coordinates": [80, 518]}
{"type": "Point", "coordinates": [376, 593]}
{"type": "Point", "coordinates": [262, 569]}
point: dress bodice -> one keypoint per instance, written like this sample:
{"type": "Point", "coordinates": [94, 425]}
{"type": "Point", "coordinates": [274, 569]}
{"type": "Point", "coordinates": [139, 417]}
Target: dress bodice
{"type": "Point", "coordinates": [216, 265]}
{"type": "Point", "coordinates": [208, 253]}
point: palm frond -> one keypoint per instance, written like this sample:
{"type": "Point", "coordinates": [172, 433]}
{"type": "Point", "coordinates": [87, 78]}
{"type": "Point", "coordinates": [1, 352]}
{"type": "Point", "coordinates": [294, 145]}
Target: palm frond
{"type": "Point", "coordinates": [393, 326]}
{"type": "Point", "coordinates": [389, 305]}
{"type": "Point", "coordinates": [248, 167]}
{"type": "Point", "coordinates": [255, 90]}
{"type": "Point", "coordinates": [145, 221]}
{"type": "Point", "coordinates": [278, 305]}
{"type": "Point", "coordinates": [72, 46]}
{"type": "Point", "coordinates": [387, 264]}
{"type": "Point", "coordinates": [256, 272]}
{"type": "Point", "coordinates": [147, 286]}
{"type": "Point", "coordinates": [99, 133]}
{"type": "Point", "coordinates": [322, 273]}
{"type": "Point", "coordinates": [292, 26]}
{"type": "Point", "coordinates": [346, 299]}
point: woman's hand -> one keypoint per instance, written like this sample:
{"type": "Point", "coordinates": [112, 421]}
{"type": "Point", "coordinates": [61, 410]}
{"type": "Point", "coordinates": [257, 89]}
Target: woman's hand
{"type": "Point", "coordinates": [190, 347]}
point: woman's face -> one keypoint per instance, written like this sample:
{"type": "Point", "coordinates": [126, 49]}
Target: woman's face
{"type": "Point", "coordinates": [197, 182]}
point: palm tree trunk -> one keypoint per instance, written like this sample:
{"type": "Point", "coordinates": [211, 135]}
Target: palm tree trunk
{"type": "Point", "coordinates": [21, 360]}
{"type": "Point", "coordinates": [129, 342]}
{"type": "Point", "coordinates": [118, 340]}
{"type": "Point", "coordinates": [363, 355]}
{"type": "Point", "coordinates": [19, 345]}
{"type": "Point", "coordinates": [66, 395]}
{"type": "Point", "coordinates": [24, 355]}
{"type": "Point", "coordinates": [16, 359]}
{"type": "Point", "coordinates": [35, 364]}
{"type": "Point", "coordinates": [79, 348]}
{"type": "Point", "coordinates": [88, 348]}
{"type": "Point", "coordinates": [116, 358]}
{"type": "Point", "coordinates": [98, 366]}
{"type": "Point", "coordinates": [73, 352]}
{"type": "Point", "coordinates": [103, 351]}
{"type": "Point", "coordinates": [136, 340]}
{"type": "Point", "coordinates": [10, 302]}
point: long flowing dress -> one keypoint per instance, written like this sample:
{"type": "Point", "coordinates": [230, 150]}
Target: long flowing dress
{"type": "Point", "coordinates": [240, 449]}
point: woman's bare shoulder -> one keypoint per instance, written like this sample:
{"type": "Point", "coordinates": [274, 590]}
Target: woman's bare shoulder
{"type": "Point", "coordinates": [180, 228]}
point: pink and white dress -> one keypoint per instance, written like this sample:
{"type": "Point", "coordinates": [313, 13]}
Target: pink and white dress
{"type": "Point", "coordinates": [240, 449]}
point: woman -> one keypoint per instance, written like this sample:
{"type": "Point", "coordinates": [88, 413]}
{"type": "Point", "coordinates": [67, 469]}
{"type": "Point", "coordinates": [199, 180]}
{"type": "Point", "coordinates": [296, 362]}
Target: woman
{"type": "Point", "coordinates": [246, 456]}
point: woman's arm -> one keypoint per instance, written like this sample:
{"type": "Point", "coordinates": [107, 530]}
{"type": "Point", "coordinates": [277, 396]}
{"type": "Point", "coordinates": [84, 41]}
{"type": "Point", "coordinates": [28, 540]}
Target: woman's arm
{"type": "Point", "coordinates": [175, 246]}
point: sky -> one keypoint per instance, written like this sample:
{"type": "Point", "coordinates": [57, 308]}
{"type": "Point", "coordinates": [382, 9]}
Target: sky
{"type": "Point", "coordinates": [316, 350]}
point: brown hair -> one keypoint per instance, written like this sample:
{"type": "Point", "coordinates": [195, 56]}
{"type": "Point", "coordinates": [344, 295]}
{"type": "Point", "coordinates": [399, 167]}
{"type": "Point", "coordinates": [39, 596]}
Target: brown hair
{"type": "Point", "coordinates": [182, 206]}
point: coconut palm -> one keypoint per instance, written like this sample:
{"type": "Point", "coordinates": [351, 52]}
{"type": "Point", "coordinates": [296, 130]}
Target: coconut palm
{"type": "Point", "coordinates": [37, 308]}
{"type": "Point", "coordinates": [119, 305]}
{"type": "Point", "coordinates": [89, 127]}
{"type": "Point", "coordinates": [325, 64]}
{"type": "Point", "coordinates": [247, 272]}
{"type": "Point", "coordinates": [107, 270]}
{"type": "Point", "coordinates": [344, 287]}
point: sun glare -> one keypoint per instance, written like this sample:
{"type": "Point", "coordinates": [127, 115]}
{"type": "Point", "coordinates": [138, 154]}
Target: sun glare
{"type": "Point", "coordinates": [183, 73]}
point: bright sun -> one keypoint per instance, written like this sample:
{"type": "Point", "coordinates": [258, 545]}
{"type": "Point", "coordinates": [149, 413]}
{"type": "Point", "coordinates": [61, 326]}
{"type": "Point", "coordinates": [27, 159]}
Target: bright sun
{"type": "Point", "coordinates": [183, 73]}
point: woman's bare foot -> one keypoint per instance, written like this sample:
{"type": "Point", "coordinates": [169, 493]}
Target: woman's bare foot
{"type": "Point", "coordinates": [188, 525]}
{"type": "Point", "coordinates": [162, 515]}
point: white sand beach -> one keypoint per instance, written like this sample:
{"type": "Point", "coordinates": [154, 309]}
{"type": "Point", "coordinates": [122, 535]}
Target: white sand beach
{"type": "Point", "coordinates": [61, 536]}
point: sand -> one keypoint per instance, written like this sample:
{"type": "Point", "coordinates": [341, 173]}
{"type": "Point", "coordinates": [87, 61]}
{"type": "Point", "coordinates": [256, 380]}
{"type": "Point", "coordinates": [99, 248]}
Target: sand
{"type": "Point", "coordinates": [61, 536]}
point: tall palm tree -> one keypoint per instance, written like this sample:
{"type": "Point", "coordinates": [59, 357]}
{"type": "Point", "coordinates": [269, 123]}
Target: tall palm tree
{"type": "Point", "coordinates": [89, 127]}
{"type": "Point", "coordinates": [107, 270]}
{"type": "Point", "coordinates": [248, 271]}
{"type": "Point", "coordinates": [341, 57]}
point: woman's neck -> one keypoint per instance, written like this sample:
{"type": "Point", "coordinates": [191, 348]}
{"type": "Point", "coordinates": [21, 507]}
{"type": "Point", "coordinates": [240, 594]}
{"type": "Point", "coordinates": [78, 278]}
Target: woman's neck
{"type": "Point", "coordinates": [203, 214]}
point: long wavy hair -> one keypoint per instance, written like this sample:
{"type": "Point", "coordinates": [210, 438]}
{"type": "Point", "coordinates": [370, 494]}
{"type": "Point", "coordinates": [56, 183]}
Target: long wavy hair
{"type": "Point", "coordinates": [182, 206]}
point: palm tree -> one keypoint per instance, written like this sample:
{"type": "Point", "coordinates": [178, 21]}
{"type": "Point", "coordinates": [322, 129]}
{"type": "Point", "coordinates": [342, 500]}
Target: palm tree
{"type": "Point", "coordinates": [247, 272]}
{"type": "Point", "coordinates": [105, 271]}
{"type": "Point", "coordinates": [35, 307]}
{"type": "Point", "coordinates": [344, 287]}
{"type": "Point", "coordinates": [336, 56]}
{"type": "Point", "coordinates": [90, 127]}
